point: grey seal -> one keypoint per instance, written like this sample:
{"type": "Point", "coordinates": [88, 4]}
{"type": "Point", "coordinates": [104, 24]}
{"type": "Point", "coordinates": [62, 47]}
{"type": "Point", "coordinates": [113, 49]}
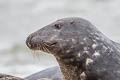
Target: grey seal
{"type": "Point", "coordinates": [9, 77]}
{"type": "Point", "coordinates": [52, 73]}
{"type": "Point", "coordinates": [82, 51]}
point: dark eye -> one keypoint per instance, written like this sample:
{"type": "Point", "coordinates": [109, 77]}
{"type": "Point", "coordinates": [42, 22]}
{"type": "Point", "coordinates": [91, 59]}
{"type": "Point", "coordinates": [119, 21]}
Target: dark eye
{"type": "Point", "coordinates": [58, 26]}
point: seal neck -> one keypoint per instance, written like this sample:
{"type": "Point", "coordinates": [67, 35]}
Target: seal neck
{"type": "Point", "coordinates": [69, 72]}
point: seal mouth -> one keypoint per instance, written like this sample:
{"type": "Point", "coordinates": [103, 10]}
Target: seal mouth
{"type": "Point", "coordinates": [46, 47]}
{"type": "Point", "coordinates": [49, 47]}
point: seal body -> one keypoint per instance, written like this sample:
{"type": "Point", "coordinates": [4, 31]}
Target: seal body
{"type": "Point", "coordinates": [53, 73]}
{"type": "Point", "coordinates": [81, 50]}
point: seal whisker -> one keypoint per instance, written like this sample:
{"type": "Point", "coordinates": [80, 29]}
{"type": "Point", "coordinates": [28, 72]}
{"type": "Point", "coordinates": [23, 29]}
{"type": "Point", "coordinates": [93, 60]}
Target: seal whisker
{"type": "Point", "coordinates": [46, 44]}
{"type": "Point", "coordinates": [37, 45]}
{"type": "Point", "coordinates": [47, 49]}
{"type": "Point", "coordinates": [40, 46]}
{"type": "Point", "coordinates": [34, 55]}
{"type": "Point", "coordinates": [44, 48]}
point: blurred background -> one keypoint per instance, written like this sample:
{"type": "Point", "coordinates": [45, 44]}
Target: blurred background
{"type": "Point", "coordinates": [19, 18]}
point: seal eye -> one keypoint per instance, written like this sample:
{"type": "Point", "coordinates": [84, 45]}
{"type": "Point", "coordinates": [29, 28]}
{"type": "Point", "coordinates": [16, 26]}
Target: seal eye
{"type": "Point", "coordinates": [58, 26]}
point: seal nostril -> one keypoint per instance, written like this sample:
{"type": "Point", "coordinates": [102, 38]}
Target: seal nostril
{"type": "Point", "coordinates": [28, 44]}
{"type": "Point", "coordinates": [28, 41]}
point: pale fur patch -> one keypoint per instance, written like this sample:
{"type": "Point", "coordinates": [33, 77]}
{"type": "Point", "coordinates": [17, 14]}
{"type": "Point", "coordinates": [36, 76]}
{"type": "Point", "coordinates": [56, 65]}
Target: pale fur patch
{"type": "Point", "coordinates": [94, 46]}
{"type": "Point", "coordinates": [84, 39]}
{"type": "Point", "coordinates": [88, 61]}
{"type": "Point", "coordinates": [96, 54]}
{"type": "Point", "coordinates": [74, 41]}
{"type": "Point", "coordinates": [83, 76]}
{"type": "Point", "coordinates": [78, 54]}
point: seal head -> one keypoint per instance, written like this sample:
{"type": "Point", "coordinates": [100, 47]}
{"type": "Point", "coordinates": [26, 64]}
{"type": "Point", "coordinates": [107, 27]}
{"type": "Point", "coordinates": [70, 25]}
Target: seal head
{"type": "Point", "coordinates": [60, 37]}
